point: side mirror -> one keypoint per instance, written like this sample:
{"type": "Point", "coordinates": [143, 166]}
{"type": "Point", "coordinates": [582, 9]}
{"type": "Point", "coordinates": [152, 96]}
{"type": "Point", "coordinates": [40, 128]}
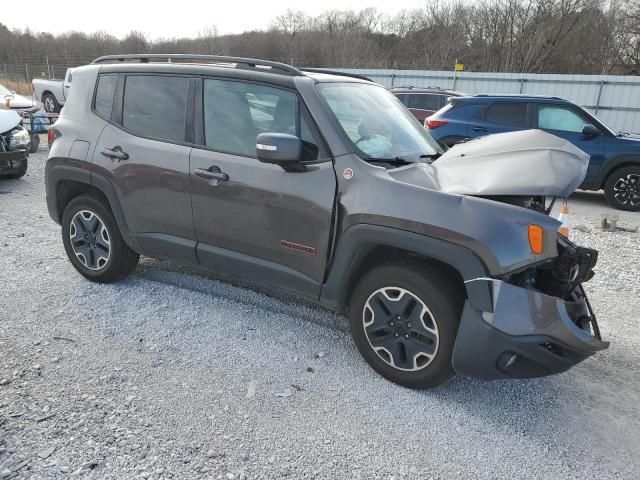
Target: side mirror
{"type": "Point", "coordinates": [590, 131]}
{"type": "Point", "coordinates": [279, 148]}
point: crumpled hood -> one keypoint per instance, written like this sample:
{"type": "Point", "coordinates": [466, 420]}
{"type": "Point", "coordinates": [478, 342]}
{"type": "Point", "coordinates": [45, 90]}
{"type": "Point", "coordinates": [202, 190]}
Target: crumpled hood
{"type": "Point", "coordinates": [529, 162]}
{"type": "Point", "coordinates": [8, 120]}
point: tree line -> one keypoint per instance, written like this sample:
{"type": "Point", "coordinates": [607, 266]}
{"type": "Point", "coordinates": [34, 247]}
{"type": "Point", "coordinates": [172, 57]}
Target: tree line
{"type": "Point", "coordinates": [529, 36]}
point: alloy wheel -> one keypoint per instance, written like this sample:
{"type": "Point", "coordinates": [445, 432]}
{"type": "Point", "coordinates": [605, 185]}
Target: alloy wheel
{"type": "Point", "coordinates": [400, 328]}
{"type": "Point", "coordinates": [626, 190]}
{"type": "Point", "coordinates": [48, 105]}
{"type": "Point", "coordinates": [90, 240]}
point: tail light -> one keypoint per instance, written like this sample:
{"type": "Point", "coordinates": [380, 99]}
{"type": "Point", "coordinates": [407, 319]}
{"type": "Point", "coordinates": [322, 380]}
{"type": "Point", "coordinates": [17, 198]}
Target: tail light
{"type": "Point", "coordinates": [433, 123]}
{"type": "Point", "coordinates": [52, 135]}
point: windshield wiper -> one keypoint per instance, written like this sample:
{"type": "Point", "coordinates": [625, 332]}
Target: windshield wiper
{"type": "Point", "coordinates": [431, 156]}
{"type": "Point", "coordinates": [388, 160]}
{"type": "Point", "coordinates": [399, 159]}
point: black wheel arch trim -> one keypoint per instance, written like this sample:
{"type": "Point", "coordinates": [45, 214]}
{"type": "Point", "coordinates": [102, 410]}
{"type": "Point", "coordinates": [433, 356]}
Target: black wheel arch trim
{"type": "Point", "coordinates": [358, 240]}
{"type": "Point", "coordinates": [621, 161]}
{"type": "Point", "coordinates": [57, 172]}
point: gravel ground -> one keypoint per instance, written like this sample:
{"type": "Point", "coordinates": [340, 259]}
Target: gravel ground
{"type": "Point", "coordinates": [174, 374]}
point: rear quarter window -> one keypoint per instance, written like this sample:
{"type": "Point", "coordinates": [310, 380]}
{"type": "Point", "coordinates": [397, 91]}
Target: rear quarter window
{"type": "Point", "coordinates": [155, 106]}
{"type": "Point", "coordinates": [514, 114]}
{"type": "Point", "coordinates": [105, 91]}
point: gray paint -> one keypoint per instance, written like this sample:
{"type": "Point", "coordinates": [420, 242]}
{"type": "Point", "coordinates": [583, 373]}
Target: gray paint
{"type": "Point", "coordinates": [305, 231]}
{"type": "Point", "coordinates": [519, 311]}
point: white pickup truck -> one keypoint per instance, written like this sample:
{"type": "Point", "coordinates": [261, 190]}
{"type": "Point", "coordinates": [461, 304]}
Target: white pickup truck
{"type": "Point", "coordinates": [52, 93]}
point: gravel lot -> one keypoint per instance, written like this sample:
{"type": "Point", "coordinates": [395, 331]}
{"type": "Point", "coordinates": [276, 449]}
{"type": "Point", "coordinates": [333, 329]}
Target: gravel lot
{"type": "Point", "coordinates": [174, 374]}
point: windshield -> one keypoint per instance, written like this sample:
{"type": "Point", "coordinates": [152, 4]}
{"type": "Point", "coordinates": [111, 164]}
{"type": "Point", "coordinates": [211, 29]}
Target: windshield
{"type": "Point", "coordinates": [377, 123]}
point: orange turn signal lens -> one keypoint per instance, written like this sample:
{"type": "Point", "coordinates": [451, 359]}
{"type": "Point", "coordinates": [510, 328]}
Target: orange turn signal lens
{"type": "Point", "coordinates": [535, 238]}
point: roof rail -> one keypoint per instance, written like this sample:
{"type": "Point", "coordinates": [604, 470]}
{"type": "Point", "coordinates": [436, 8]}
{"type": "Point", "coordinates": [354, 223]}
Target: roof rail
{"type": "Point", "coordinates": [516, 95]}
{"type": "Point", "coordinates": [335, 72]}
{"type": "Point", "coordinates": [185, 57]}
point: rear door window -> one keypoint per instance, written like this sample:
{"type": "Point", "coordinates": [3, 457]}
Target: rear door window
{"type": "Point", "coordinates": [513, 114]}
{"type": "Point", "coordinates": [104, 95]}
{"type": "Point", "coordinates": [425, 101]}
{"type": "Point", "coordinates": [155, 106]}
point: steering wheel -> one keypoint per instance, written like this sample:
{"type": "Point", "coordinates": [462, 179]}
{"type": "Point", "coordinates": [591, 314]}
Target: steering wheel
{"type": "Point", "coordinates": [368, 136]}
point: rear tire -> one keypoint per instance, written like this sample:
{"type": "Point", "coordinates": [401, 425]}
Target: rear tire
{"type": "Point", "coordinates": [622, 188]}
{"type": "Point", "coordinates": [404, 320]}
{"type": "Point", "coordinates": [35, 143]}
{"type": "Point", "coordinates": [20, 173]}
{"type": "Point", "coordinates": [50, 103]}
{"type": "Point", "coordinates": [93, 241]}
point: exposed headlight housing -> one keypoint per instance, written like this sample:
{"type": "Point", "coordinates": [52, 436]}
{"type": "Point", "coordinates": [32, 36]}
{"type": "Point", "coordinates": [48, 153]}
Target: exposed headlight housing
{"type": "Point", "coordinates": [19, 139]}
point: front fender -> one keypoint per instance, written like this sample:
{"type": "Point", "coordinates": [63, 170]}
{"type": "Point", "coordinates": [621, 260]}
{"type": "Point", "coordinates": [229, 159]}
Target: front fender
{"type": "Point", "coordinates": [358, 240]}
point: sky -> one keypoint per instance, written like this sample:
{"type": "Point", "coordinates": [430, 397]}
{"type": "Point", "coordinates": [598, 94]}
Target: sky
{"type": "Point", "coordinates": [182, 19]}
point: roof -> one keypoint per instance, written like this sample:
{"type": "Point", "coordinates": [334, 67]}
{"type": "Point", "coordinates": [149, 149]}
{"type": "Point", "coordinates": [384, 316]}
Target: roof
{"type": "Point", "coordinates": [242, 67]}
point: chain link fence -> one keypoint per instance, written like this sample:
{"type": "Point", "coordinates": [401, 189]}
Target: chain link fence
{"type": "Point", "coordinates": [16, 74]}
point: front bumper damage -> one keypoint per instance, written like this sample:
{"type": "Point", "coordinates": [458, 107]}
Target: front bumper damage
{"type": "Point", "coordinates": [538, 322]}
{"type": "Point", "coordinates": [11, 162]}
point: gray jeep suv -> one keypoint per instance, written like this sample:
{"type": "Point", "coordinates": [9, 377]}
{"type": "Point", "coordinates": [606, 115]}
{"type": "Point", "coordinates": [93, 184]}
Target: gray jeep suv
{"type": "Point", "coordinates": [325, 186]}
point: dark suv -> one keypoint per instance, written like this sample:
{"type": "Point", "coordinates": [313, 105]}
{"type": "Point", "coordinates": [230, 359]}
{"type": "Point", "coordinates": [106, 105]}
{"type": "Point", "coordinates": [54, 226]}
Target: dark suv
{"type": "Point", "coordinates": [615, 156]}
{"type": "Point", "coordinates": [424, 101]}
{"type": "Point", "coordinates": [320, 185]}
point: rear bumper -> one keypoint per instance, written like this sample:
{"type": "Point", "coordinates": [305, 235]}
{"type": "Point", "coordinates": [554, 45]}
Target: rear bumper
{"type": "Point", "coordinates": [11, 162]}
{"type": "Point", "coordinates": [528, 334]}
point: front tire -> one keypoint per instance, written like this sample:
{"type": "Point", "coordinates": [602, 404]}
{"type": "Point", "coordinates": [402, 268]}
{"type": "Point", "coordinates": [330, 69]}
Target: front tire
{"type": "Point", "coordinates": [404, 319]}
{"type": "Point", "coordinates": [93, 241]}
{"type": "Point", "coordinates": [20, 173]}
{"type": "Point", "coordinates": [622, 189]}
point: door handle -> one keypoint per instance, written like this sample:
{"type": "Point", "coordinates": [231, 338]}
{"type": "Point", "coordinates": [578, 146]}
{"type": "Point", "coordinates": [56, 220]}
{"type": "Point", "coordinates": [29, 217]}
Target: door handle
{"type": "Point", "coordinates": [213, 173]}
{"type": "Point", "coordinates": [115, 152]}
{"type": "Point", "coordinates": [479, 129]}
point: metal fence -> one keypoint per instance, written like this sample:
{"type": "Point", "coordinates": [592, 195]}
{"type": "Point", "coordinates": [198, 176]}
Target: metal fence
{"type": "Point", "coordinates": [615, 99]}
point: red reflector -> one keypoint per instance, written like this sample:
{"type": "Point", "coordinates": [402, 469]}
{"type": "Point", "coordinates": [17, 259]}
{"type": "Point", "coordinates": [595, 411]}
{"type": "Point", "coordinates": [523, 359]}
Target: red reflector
{"type": "Point", "coordinates": [51, 136]}
{"type": "Point", "coordinates": [433, 123]}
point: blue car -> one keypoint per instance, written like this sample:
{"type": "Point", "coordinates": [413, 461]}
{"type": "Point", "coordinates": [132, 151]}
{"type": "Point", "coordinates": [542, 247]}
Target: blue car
{"type": "Point", "coordinates": [615, 156]}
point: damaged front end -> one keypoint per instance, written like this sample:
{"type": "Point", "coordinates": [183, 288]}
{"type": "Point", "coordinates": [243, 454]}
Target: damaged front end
{"type": "Point", "coordinates": [529, 316]}
{"type": "Point", "coordinates": [540, 321]}
{"type": "Point", "coordinates": [14, 143]}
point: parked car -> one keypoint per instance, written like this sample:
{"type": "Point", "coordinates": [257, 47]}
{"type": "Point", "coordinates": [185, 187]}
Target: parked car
{"type": "Point", "coordinates": [615, 156]}
{"type": "Point", "coordinates": [53, 93]}
{"type": "Point", "coordinates": [319, 184]}
{"type": "Point", "coordinates": [14, 146]}
{"type": "Point", "coordinates": [10, 100]}
{"type": "Point", "coordinates": [424, 101]}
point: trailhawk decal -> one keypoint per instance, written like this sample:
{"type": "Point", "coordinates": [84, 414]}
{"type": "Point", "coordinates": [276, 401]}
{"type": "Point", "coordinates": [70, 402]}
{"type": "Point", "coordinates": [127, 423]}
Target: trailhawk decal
{"type": "Point", "coordinates": [298, 247]}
